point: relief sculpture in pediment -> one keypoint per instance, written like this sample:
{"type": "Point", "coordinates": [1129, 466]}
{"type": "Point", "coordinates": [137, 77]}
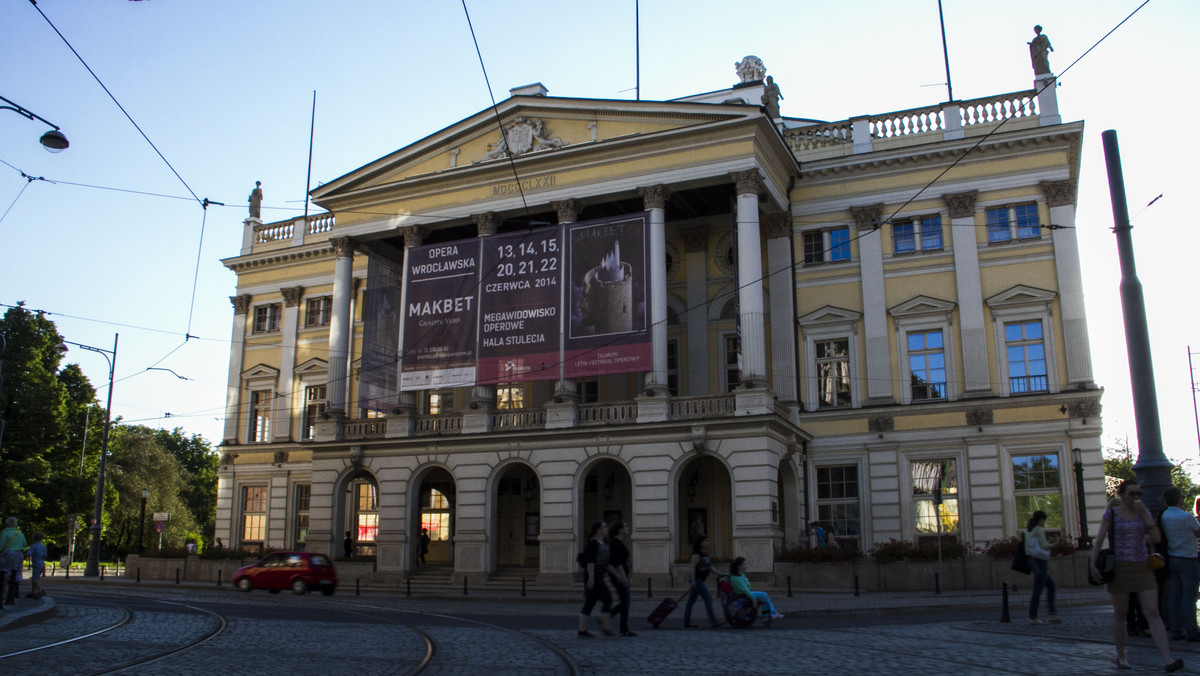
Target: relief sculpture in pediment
{"type": "Point", "coordinates": [522, 136]}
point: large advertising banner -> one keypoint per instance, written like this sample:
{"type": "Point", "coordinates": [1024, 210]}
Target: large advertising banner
{"type": "Point", "coordinates": [609, 300]}
{"type": "Point", "coordinates": [381, 335]}
{"type": "Point", "coordinates": [520, 302]}
{"type": "Point", "coordinates": [441, 312]}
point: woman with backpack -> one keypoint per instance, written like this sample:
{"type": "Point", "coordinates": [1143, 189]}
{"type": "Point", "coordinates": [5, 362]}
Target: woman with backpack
{"type": "Point", "coordinates": [1037, 548]}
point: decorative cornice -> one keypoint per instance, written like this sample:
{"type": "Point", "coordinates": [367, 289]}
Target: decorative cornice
{"type": "Point", "coordinates": [962, 204]}
{"type": "Point", "coordinates": [778, 225]}
{"type": "Point", "coordinates": [485, 224]}
{"type": "Point", "coordinates": [748, 182]}
{"type": "Point", "coordinates": [867, 217]}
{"type": "Point", "coordinates": [291, 295]}
{"type": "Point", "coordinates": [881, 424]}
{"type": "Point", "coordinates": [1059, 193]}
{"type": "Point", "coordinates": [655, 196]}
{"type": "Point", "coordinates": [241, 304]}
{"type": "Point", "coordinates": [343, 247]}
{"type": "Point", "coordinates": [694, 238]}
{"type": "Point", "coordinates": [567, 210]}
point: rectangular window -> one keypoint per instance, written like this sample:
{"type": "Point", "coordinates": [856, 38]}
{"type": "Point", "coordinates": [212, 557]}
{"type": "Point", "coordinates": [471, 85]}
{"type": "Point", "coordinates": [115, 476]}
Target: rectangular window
{"type": "Point", "coordinates": [589, 391]}
{"type": "Point", "coordinates": [510, 397]}
{"type": "Point", "coordinates": [1037, 484]}
{"type": "Point", "coordinates": [931, 233]}
{"type": "Point", "coordinates": [441, 403]}
{"type": "Point", "coordinates": [314, 408]}
{"type": "Point", "coordinates": [904, 237]}
{"type": "Point", "coordinates": [254, 513]}
{"type": "Point", "coordinates": [837, 501]}
{"type": "Point", "coordinates": [1027, 221]}
{"type": "Point", "coordinates": [1026, 357]}
{"type": "Point", "coordinates": [260, 416]}
{"type": "Point", "coordinates": [733, 363]}
{"type": "Point", "coordinates": [367, 512]}
{"type": "Point", "coordinates": [833, 373]}
{"type": "Point", "coordinates": [935, 496]}
{"type": "Point", "coordinates": [318, 311]}
{"type": "Point", "coordinates": [302, 501]}
{"type": "Point", "coordinates": [266, 318]}
{"type": "Point", "coordinates": [997, 225]}
{"type": "Point", "coordinates": [839, 244]}
{"type": "Point", "coordinates": [435, 512]}
{"type": "Point", "coordinates": [673, 367]}
{"type": "Point", "coordinates": [927, 365]}
{"type": "Point", "coordinates": [814, 247]}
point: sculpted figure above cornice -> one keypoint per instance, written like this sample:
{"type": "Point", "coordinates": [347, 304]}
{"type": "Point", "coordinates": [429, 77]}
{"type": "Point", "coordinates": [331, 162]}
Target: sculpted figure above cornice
{"type": "Point", "coordinates": [655, 196]}
{"type": "Point", "coordinates": [522, 136]}
{"type": "Point", "coordinates": [962, 204]}
{"type": "Point", "coordinates": [1059, 193]}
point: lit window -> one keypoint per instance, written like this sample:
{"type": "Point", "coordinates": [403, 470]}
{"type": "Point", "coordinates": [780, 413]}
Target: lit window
{"type": "Point", "coordinates": [837, 501]}
{"type": "Point", "coordinates": [254, 514]}
{"type": "Point", "coordinates": [1026, 357]}
{"type": "Point", "coordinates": [266, 318]}
{"type": "Point", "coordinates": [935, 496]}
{"type": "Point", "coordinates": [833, 373]}
{"type": "Point", "coordinates": [510, 396]}
{"type": "Point", "coordinates": [366, 513]}
{"type": "Point", "coordinates": [435, 512]}
{"type": "Point", "coordinates": [441, 402]}
{"type": "Point", "coordinates": [1037, 485]}
{"type": "Point", "coordinates": [318, 311]}
{"type": "Point", "coordinates": [927, 365]}
{"type": "Point", "coordinates": [260, 416]}
{"type": "Point", "coordinates": [314, 407]}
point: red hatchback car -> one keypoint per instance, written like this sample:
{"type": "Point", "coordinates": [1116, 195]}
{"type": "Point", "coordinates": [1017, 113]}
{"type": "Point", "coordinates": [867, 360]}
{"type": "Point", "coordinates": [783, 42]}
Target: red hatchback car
{"type": "Point", "coordinates": [298, 571]}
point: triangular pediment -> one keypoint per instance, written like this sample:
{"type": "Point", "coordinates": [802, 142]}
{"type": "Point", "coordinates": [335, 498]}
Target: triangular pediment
{"type": "Point", "coordinates": [535, 126]}
{"type": "Point", "coordinates": [829, 314]}
{"type": "Point", "coordinates": [922, 305]}
{"type": "Point", "coordinates": [260, 371]}
{"type": "Point", "coordinates": [313, 366]}
{"type": "Point", "coordinates": [1020, 295]}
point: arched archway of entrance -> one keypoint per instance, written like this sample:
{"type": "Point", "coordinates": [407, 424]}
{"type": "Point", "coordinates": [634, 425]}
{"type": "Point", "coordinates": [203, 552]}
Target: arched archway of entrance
{"type": "Point", "coordinates": [604, 493]}
{"type": "Point", "coordinates": [355, 514]}
{"type": "Point", "coordinates": [703, 506]}
{"type": "Point", "coordinates": [431, 513]}
{"type": "Point", "coordinates": [514, 503]}
{"type": "Point", "coordinates": [791, 505]}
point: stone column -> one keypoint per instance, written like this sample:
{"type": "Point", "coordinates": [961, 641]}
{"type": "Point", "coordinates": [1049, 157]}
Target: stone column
{"type": "Point", "coordinates": [484, 396]}
{"type": "Point", "coordinates": [565, 390]}
{"type": "Point", "coordinates": [875, 316]}
{"type": "Point", "coordinates": [695, 240]}
{"type": "Point", "coordinates": [750, 287]}
{"type": "Point", "coordinates": [782, 281]}
{"type": "Point", "coordinates": [287, 399]}
{"type": "Point", "coordinates": [407, 401]}
{"type": "Point", "coordinates": [655, 200]}
{"type": "Point", "coordinates": [241, 308]}
{"type": "Point", "coordinates": [1060, 197]}
{"type": "Point", "coordinates": [972, 330]}
{"type": "Point", "coordinates": [339, 325]}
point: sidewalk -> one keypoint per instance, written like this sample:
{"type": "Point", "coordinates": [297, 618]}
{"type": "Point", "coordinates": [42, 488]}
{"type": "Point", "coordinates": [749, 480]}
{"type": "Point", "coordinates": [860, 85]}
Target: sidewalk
{"type": "Point", "coordinates": [27, 611]}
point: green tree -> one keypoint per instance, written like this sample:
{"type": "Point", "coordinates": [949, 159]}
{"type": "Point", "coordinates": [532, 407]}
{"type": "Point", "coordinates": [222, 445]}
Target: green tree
{"type": "Point", "coordinates": [1118, 466]}
{"type": "Point", "coordinates": [139, 461]}
{"type": "Point", "coordinates": [201, 462]}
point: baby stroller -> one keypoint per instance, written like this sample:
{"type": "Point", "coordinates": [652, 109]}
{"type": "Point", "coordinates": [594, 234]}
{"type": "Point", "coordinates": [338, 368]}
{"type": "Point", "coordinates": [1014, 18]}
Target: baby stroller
{"type": "Point", "coordinates": [739, 608]}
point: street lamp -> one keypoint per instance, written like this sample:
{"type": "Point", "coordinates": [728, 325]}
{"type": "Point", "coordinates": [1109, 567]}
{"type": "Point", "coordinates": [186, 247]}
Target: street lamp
{"type": "Point", "coordinates": [93, 561]}
{"type": "Point", "coordinates": [53, 141]}
{"type": "Point", "coordinates": [142, 519]}
{"type": "Point", "coordinates": [1085, 541]}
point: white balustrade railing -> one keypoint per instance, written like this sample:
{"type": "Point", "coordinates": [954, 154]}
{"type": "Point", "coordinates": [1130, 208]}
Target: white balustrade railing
{"type": "Point", "coordinates": [375, 428]}
{"type": "Point", "coordinates": [607, 414]}
{"type": "Point", "coordinates": [997, 108]}
{"type": "Point", "coordinates": [320, 224]}
{"type": "Point", "coordinates": [427, 425]}
{"type": "Point", "coordinates": [907, 122]}
{"type": "Point", "coordinates": [691, 408]}
{"type": "Point", "coordinates": [519, 419]}
{"type": "Point", "coordinates": [819, 136]}
{"type": "Point", "coordinates": [274, 232]}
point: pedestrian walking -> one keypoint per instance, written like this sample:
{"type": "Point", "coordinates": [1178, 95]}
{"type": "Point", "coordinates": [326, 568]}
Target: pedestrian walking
{"type": "Point", "coordinates": [816, 535]}
{"type": "Point", "coordinates": [596, 561]}
{"type": "Point", "coordinates": [1181, 530]}
{"type": "Point", "coordinates": [739, 582]}
{"type": "Point", "coordinates": [1127, 527]}
{"type": "Point", "coordinates": [37, 565]}
{"type": "Point", "coordinates": [423, 546]}
{"type": "Point", "coordinates": [348, 546]}
{"type": "Point", "coordinates": [619, 565]}
{"type": "Point", "coordinates": [1037, 550]}
{"type": "Point", "coordinates": [698, 583]}
{"type": "Point", "coordinates": [12, 558]}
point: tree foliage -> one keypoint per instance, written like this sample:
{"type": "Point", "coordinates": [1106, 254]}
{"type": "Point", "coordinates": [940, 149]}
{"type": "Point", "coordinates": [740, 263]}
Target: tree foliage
{"type": "Point", "coordinates": [1118, 466]}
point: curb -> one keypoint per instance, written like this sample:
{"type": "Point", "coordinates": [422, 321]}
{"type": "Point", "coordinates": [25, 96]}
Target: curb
{"type": "Point", "coordinates": [12, 620]}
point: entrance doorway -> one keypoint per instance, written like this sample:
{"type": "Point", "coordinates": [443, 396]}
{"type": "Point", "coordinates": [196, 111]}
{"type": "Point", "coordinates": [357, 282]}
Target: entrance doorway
{"type": "Point", "coordinates": [518, 517]}
{"type": "Point", "coordinates": [704, 507]}
{"type": "Point", "coordinates": [436, 500]}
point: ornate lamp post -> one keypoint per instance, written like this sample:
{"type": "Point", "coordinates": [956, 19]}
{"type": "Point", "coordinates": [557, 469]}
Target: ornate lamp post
{"type": "Point", "coordinates": [1085, 540]}
{"type": "Point", "coordinates": [53, 141]}
{"type": "Point", "coordinates": [93, 561]}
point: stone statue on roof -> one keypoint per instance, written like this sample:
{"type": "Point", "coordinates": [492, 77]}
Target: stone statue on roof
{"type": "Point", "coordinates": [750, 69]}
{"type": "Point", "coordinates": [256, 200]}
{"type": "Point", "coordinates": [1039, 52]}
{"type": "Point", "coordinates": [770, 98]}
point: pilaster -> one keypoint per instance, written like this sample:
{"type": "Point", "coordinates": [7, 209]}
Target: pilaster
{"type": "Point", "coordinates": [241, 308]}
{"type": "Point", "coordinates": [695, 242]}
{"type": "Point", "coordinates": [655, 200]}
{"type": "Point", "coordinates": [972, 330]}
{"type": "Point", "coordinates": [875, 323]}
{"type": "Point", "coordinates": [339, 325]}
{"type": "Point", "coordinates": [1060, 198]}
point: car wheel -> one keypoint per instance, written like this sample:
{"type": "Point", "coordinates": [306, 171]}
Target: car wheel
{"type": "Point", "coordinates": [328, 590]}
{"type": "Point", "coordinates": [299, 587]}
{"type": "Point", "coordinates": [244, 584]}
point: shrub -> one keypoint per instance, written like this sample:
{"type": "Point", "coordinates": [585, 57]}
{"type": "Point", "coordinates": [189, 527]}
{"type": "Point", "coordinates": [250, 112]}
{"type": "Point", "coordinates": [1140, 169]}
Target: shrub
{"type": "Point", "coordinates": [903, 550]}
{"type": "Point", "coordinates": [802, 554]}
{"type": "Point", "coordinates": [1007, 548]}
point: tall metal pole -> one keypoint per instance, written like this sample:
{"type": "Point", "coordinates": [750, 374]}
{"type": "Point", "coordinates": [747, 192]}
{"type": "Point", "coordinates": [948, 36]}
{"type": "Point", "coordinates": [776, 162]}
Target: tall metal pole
{"type": "Point", "coordinates": [93, 561]}
{"type": "Point", "coordinates": [945, 53]}
{"type": "Point", "coordinates": [312, 127]}
{"type": "Point", "coordinates": [637, 50]}
{"type": "Point", "coordinates": [1195, 412]}
{"type": "Point", "coordinates": [1152, 467]}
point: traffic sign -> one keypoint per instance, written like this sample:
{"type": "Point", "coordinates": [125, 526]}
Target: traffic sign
{"type": "Point", "coordinates": [162, 516]}
{"type": "Point", "coordinates": [160, 526]}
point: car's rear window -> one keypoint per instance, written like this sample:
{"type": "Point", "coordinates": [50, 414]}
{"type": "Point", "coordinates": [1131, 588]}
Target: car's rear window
{"type": "Point", "coordinates": [319, 560]}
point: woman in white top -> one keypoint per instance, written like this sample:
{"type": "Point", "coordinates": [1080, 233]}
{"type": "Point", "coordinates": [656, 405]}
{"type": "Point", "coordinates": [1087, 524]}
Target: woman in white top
{"type": "Point", "coordinates": [1037, 548]}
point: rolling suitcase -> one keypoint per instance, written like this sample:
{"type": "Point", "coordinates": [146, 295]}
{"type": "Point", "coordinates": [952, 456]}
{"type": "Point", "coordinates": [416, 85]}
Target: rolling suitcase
{"type": "Point", "coordinates": [663, 610]}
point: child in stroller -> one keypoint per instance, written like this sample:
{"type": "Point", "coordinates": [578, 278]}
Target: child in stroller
{"type": "Point", "coordinates": [741, 605]}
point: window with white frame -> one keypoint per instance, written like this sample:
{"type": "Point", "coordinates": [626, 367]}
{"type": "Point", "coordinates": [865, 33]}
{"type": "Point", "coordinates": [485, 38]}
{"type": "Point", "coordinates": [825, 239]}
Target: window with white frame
{"type": "Point", "coordinates": [827, 245]}
{"type": "Point", "coordinates": [314, 408]}
{"type": "Point", "coordinates": [1006, 223]}
{"type": "Point", "coordinates": [366, 515]}
{"type": "Point", "coordinates": [1037, 484]}
{"type": "Point", "coordinates": [318, 311]}
{"type": "Point", "coordinates": [260, 416]}
{"type": "Point", "coordinates": [830, 357]}
{"type": "Point", "coordinates": [935, 496]}
{"type": "Point", "coordinates": [927, 365]}
{"type": "Point", "coordinates": [254, 515]}
{"type": "Point", "coordinates": [266, 318]}
{"type": "Point", "coordinates": [510, 397]}
{"type": "Point", "coordinates": [838, 502]}
{"type": "Point", "coordinates": [1025, 348]}
{"type": "Point", "coordinates": [917, 234]}
{"type": "Point", "coordinates": [435, 510]}
{"type": "Point", "coordinates": [833, 373]}
{"type": "Point", "coordinates": [731, 366]}
{"type": "Point", "coordinates": [301, 503]}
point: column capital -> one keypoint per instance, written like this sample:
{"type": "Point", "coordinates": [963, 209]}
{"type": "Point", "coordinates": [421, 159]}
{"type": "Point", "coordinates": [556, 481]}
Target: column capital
{"type": "Point", "coordinates": [414, 235]}
{"type": "Point", "coordinates": [568, 210]}
{"type": "Point", "coordinates": [778, 225]}
{"type": "Point", "coordinates": [867, 217]}
{"type": "Point", "coordinates": [291, 295]}
{"type": "Point", "coordinates": [961, 204]}
{"type": "Point", "coordinates": [747, 182]}
{"type": "Point", "coordinates": [343, 247]}
{"type": "Point", "coordinates": [655, 196]}
{"type": "Point", "coordinates": [485, 224]}
{"type": "Point", "coordinates": [241, 304]}
{"type": "Point", "coordinates": [694, 238]}
{"type": "Point", "coordinates": [1059, 193]}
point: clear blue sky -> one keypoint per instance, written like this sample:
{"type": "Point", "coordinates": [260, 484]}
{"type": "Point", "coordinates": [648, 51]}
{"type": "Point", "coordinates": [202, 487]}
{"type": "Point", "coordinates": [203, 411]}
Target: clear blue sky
{"type": "Point", "coordinates": [224, 90]}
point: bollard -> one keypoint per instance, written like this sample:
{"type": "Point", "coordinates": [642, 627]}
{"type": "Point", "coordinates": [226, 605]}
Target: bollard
{"type": "Point", "coordinates": [176, 576]}
{"type": "Point", "coordinates": [855, 586]}
{"type": "Point", "coordinates": [356, 592]}
{"type": "Point", "coordinates": [649, 588]}
{"type": "Point", "coordinates": [1004, 605]}
{"type": "Point", "coordinates": [522, 585]}
{"type": "Point", "coordinates": [139, 574]}
{"type": "Point", "coordinates": [408, 586]}
{"type": "Point", "coordinates": [219, 571]}
{"type": "Point", "coordinates": [789, 586]}
{"type": "Point", "coordinates": [464, 585]}
{"type": "Point", "coordinates": [937, 583]}
{"type": "Point", "coordinates": [68, 572]}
